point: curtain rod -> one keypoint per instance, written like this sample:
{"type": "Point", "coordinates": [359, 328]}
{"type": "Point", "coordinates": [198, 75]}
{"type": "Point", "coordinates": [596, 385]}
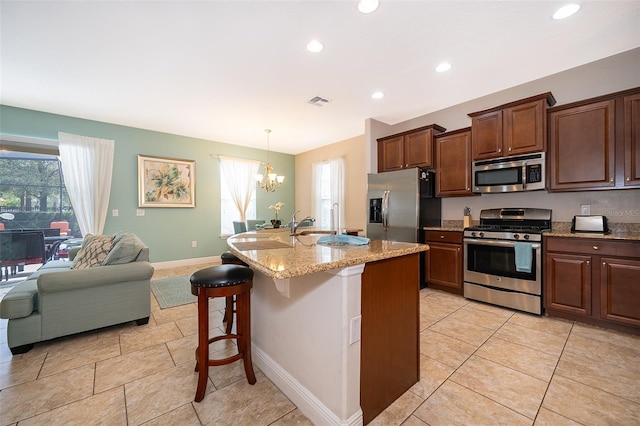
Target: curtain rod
{"type": "Point", "coordinates": [241, 158]}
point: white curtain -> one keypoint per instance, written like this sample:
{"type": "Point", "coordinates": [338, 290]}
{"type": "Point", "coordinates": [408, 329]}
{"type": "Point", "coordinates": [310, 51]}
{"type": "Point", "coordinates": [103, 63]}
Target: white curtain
{"type": "Point", "coordinates": [87, 165]}
{"type": "Point", "coordinates": [240, 176]}
{"type": "Point", "coordinates": [328, 188]}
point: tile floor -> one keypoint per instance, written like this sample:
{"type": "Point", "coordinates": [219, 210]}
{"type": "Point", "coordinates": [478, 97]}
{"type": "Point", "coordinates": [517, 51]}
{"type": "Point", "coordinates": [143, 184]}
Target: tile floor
{"type": "Point", "coordinates": [479, 365]}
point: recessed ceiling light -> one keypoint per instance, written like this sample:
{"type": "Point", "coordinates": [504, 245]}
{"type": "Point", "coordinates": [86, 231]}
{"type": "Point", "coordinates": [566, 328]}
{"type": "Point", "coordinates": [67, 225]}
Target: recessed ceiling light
{"type": "Point", "coordinates": [566, 11]}
{"type": "Point", "coordinates": [367, 6]}
{"type": "Point", "coordinates": [445, 66]}
{"type": "Point", "coordinates": [314, 46]}
{"type": "Point", "coordinates": [377, 95]}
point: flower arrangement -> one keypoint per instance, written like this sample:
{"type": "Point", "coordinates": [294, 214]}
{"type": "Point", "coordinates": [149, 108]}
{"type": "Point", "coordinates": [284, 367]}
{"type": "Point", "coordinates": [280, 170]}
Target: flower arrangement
{"type": "Point", "coordinates": [276, 207]}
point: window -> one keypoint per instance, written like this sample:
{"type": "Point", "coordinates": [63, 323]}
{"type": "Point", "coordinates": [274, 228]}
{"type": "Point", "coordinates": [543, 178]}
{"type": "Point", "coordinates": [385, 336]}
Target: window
{"type": "Point", "coordinates": [328, 189]}
{"type": "Point", "coordinates": [32, 189]}
{"type": "Point", "coordinates": [237, 192]}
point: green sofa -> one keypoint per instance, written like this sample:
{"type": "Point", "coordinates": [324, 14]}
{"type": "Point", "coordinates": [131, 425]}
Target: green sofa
{"type": "Point", "coordinates": [58, 300]}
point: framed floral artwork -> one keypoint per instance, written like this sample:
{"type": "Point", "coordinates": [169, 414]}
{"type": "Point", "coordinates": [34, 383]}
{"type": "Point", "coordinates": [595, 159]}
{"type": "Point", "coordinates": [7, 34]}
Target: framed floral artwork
{"type": "Point", "coordinates": [166, 182]}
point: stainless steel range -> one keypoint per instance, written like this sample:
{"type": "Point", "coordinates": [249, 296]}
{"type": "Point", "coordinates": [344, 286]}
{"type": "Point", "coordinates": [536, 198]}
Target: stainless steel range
{"type": "Point", "coordinates": [503, 258]}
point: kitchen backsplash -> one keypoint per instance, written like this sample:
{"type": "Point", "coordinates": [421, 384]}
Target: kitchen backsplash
{"type": "Point", "coordinates": [619, 206]}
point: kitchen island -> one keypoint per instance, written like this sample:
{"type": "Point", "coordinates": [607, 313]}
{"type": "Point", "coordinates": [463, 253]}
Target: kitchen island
{"type": "Point", "coordinates": [334, 327]}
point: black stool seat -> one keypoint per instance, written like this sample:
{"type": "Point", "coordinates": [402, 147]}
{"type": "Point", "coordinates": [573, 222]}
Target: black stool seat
{"type": "Point", "coordinates": [228, 257]}
{"type": "Point", "coordinates": [231, 282]}
{"type": "Point", "coordinates": [221, 276]}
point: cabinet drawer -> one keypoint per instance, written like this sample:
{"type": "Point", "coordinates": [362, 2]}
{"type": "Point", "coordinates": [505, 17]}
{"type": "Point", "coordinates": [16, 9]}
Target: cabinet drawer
{"type": "Point", "coordinates": [593, 246]}
{"type": "Point", "coordinates": [454, 237]}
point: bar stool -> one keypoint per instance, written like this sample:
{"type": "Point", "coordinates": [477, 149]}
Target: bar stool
{"type": "Point", "coordinates": [227, 259]}
{"type": "Point", "coordinates": [223, 281]}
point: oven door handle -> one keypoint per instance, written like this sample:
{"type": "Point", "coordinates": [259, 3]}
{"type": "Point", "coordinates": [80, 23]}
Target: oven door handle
{"type": "Point", "coordinates": [497, 243]}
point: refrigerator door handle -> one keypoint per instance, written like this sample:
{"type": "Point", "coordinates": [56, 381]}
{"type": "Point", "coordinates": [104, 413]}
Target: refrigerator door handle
{"type": "Point", "coordinates": [385, 209]}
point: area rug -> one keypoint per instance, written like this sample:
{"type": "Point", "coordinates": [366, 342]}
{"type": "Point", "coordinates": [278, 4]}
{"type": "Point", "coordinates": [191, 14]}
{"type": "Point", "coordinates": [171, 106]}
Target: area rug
{"type": "Point", "coordinates": [172, 292]}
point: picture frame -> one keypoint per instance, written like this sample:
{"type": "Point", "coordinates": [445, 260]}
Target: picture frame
{"type": "Point", "coordinates": [166, 182]}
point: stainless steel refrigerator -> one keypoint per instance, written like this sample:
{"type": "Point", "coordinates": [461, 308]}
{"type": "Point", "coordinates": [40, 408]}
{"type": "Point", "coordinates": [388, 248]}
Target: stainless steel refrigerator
{"type": "Point", "coordinates": [401, 203]}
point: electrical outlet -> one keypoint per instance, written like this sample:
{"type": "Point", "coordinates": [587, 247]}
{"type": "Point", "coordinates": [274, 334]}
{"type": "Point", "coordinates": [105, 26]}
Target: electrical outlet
{"type": "Point", "coordinates": [140, 212]}
{"type": "Point", "coordinates": [115, 212]}
{"type": "Point", "coordinates": [194, 244]}
{"type": "Point", "coordinates": [354, 329]}
{"type": "Point", "coordinates": [585, 209]}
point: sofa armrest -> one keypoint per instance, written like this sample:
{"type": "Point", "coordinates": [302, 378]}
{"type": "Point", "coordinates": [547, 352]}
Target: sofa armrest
{"type": "Point", "coordinates": [94, 277]}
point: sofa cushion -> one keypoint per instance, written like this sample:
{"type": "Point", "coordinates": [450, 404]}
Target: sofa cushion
{"type": "Point", "coordinates": [93, 252]}
{"type": "Point", "coordinates": [126, 248]}
{"type": "Point", "coordinates": [20, 301]}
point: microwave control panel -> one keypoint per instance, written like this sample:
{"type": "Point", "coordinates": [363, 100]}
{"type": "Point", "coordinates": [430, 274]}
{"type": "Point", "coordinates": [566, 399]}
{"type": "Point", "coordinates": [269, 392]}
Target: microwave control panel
{"type": "Point", "coordinates": [534, 173]}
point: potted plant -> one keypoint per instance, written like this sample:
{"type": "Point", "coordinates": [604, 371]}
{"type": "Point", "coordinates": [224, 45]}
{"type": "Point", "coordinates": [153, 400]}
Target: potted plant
{"type": "Point", "coordinates": [276, 207]}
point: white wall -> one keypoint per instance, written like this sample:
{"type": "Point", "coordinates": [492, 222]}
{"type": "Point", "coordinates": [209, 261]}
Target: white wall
{"type": "Point", "coordinates": [355, 175]}
{"type": "Point", "coordinates": [616, 73]}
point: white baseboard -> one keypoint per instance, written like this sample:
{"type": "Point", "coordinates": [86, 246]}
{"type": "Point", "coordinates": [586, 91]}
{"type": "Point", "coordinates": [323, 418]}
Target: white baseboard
{"type": "Point", "coordinates": [186, 262]}
{"type": "Point", "coordinates": [306, 401]}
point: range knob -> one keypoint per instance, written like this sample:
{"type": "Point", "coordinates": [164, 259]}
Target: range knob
{"type": "Point", "coordinates": [526, 236]}
{"type": "Point", "coordinates": [516, 236]}
{"type": "Point", "coordinates": [473, 234]}
{"type": "Point", "coordinates": [481, 234]}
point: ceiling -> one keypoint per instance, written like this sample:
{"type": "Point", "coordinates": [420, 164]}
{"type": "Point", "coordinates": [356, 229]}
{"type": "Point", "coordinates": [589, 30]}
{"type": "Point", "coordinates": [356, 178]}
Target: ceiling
{"type": "Point", "coordinates": [228, 70]}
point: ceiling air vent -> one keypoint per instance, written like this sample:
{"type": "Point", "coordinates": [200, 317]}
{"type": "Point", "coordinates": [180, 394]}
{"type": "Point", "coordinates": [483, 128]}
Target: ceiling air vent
{"type": "Point", "coordinates": [318, 101]}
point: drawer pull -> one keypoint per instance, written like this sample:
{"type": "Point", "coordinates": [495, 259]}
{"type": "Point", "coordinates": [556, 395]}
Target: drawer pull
{"type": "Point", "coordinates": [441, 237]}
{"type": "Point", "coordinates": [595, 247]}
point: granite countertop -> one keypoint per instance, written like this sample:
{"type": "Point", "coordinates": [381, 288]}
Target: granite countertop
{"type": "Point", "coordinates": [279, 255]}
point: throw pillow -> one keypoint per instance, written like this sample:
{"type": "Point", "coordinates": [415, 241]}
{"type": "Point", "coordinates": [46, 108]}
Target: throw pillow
{"type": "Point", "coordinates": [126, 248]}
{"type": "Point", "coordinates": [93, 252]}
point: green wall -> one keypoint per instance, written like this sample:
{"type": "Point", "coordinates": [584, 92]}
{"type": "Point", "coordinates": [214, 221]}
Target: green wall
{"type": "Point", "coordinates": [167, 231]}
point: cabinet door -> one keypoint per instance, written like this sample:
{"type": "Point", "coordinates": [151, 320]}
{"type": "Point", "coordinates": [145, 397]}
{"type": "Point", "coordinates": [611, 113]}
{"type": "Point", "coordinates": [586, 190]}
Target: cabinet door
{"type": "Point", "coordinates": [486, 133]}
{"type": "Point", "coordinates": [524, 128]}
{"type": "Point", "coordinates": [632, 140]}
{"type": "Point", "coordinates": [620, 291]}
{"type": "Point", "coordinates": [444, 265]}
{"type": "Point", "coordinates": [390, 154]}
{"type": "Point", "coordinates": [418, 149]}
{"type": "Point", "coordinates": [581, 147]}
{"type": "Point", "coordinates": [453, 164]}
{"type": "Point", "coordinates": [568, 283]}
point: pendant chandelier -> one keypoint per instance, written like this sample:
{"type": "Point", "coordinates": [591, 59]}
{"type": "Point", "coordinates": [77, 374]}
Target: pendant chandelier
{"type": "Point", "coordinates": [270, 180]}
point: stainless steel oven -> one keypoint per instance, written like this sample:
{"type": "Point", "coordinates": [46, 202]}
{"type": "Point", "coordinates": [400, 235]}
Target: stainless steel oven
{"type": "Point", "coordinates": [503, 258]}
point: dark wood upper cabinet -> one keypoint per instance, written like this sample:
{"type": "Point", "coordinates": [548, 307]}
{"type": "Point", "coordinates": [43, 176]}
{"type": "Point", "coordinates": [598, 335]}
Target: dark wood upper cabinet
{"type": "Point", "coordinates": [632, 140]}
{"type": "Point", "coordinates": [453, 163]}
{"type": "Point", "coordinates": [511, 129]}
{"type": "Point", "coordinates": [414, 148]}
{"type": "Point", "coordinates": [594, 144]}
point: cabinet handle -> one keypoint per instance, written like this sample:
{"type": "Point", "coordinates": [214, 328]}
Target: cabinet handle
{"type": "Point", "coordinates": [604, 264]}
{"type": "Point", "coordinates": [499, 149]}
{"type": "Point", "coordinates": [628, 179]}
{"type": "Point", "coordinates": [611, 181]}
{"type": "Point", "coordinates": [588, 263]}
{"type": "Point", "coordinates": [595, 247]}
{"type": "Point", "coordinates": [458, 249]}
{"type": "Point", "coordinates": [509, 149]}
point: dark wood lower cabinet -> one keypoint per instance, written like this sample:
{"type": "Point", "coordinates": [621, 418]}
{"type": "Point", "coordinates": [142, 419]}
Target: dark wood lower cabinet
{"type": "Point", "coordinates": [389, 351]}
{"type": "Point", "coordinates": [593, 280]}
{"type": "Point", "coordinates": [443, 266]}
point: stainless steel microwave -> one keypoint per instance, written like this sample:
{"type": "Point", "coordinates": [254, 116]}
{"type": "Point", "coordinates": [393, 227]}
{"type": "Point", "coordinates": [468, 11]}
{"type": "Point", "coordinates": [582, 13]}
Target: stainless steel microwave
{"type": "Point", "coordinates": [509, 174]}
